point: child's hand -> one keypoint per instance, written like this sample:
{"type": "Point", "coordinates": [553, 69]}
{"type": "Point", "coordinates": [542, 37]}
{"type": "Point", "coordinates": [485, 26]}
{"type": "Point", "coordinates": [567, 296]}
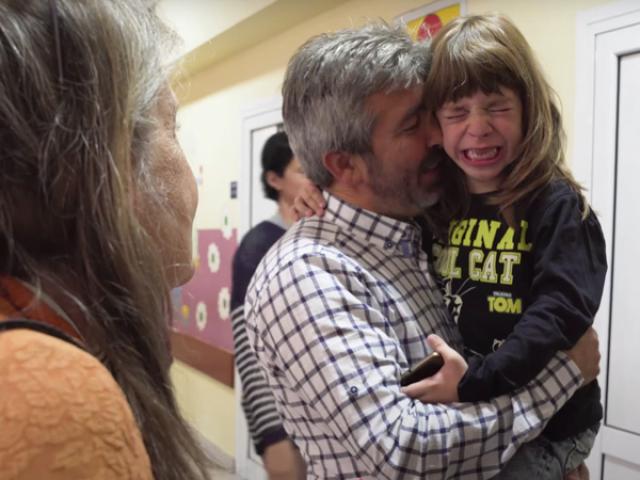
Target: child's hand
{"type": "Point", "coordinates": [580, 473]}
{"type": "Point", "coordinates": [309, 202]}
{"type": "Point", "coordinates": [443, 386]}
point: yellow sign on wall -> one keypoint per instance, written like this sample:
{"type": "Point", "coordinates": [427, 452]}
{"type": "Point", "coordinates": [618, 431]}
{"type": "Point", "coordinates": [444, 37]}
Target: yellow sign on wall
{"type": "Point", "coordinates": [426, 21]}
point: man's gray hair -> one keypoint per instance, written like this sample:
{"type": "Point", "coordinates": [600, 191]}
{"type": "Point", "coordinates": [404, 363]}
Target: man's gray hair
{"type": "Point", "coordinates": [328, 81]}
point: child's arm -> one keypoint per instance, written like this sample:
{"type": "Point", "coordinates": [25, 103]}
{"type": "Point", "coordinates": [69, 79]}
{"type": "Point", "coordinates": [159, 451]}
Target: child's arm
{"type": "Point", "coordinates": [568, 278]}
{"type": "Point", "coordinates": [309, 202]}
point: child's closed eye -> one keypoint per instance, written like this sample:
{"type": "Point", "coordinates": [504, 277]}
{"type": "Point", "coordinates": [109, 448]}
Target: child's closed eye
{"type": "Point", "coordinates": [457, 114]}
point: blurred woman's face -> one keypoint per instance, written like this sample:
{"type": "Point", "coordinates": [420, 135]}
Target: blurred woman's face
{"type": "Point", "coordinates": [290, 183]}
{"type": "Point", "coordinates": [169, 221]}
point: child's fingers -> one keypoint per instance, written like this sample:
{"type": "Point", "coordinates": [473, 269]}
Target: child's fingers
{"type": "Point", "coordinates": [316, 208]}
{"type": "Point", "coordinates": [317, 202]}
{"type": "Point", "coordinates": [311, 196]}
{"type": "Point", "coordinates": [300, 208]}
{"type": "Point", "coordinates": [295, 213]}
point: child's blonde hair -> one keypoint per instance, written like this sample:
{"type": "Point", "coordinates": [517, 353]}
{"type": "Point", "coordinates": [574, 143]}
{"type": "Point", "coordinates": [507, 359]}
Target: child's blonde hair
{"type": "Point", "coordinates": [485, 53]}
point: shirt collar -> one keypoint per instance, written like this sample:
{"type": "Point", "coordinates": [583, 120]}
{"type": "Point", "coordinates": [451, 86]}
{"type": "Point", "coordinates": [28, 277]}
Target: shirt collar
{"type": "Point", "coordinates": [386, 233]}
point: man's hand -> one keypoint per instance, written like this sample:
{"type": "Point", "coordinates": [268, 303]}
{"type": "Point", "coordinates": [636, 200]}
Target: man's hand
{"type": "Point", "coordinates": [580, 473]}
{"type": "Point", "coordinates": [283, 461]}
{"type": "Point", "coordinates": [443, 386]}
{"type": "Point", "coordinates": [586, 355]}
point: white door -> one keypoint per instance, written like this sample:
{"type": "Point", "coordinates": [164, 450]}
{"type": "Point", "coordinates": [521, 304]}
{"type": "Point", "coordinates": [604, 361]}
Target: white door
{"type": "Point", "coordinates": [608, 149]}
{"type": "Point", "coordinates": [258, 124]}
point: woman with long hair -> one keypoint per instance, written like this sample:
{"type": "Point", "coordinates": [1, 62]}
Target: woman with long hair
{"type": "Point", "coordinates": [96, 209]}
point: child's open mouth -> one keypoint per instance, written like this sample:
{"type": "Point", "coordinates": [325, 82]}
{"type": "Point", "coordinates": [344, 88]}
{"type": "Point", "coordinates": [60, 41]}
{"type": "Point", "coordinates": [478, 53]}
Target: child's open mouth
{"type": "Point", "coordinates": [481, 155]}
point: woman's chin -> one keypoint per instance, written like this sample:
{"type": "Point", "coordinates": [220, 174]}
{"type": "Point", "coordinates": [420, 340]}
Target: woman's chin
{"type": "Point", "coordinates": [180, 274]}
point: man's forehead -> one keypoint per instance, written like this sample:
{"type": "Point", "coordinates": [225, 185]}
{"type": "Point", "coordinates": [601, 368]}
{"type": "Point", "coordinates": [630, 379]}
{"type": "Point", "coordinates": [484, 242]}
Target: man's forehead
{"type": "Point", "coordinates": [400, 102]}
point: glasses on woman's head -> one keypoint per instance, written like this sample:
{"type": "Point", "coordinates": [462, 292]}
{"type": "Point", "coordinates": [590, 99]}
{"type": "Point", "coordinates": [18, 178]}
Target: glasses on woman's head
{"type": "Point", "coordinates": [53, 10]}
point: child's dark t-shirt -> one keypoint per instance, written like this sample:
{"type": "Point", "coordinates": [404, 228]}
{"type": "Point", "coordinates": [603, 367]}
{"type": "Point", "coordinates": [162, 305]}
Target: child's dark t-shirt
{"type": "Point", "coordinates": [520, 295]}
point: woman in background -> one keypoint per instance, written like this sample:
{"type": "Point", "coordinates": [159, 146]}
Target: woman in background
{"type": "Point", "coordinates": [282, 180]}
{"type": "Point", "coordinates": [96, 209]}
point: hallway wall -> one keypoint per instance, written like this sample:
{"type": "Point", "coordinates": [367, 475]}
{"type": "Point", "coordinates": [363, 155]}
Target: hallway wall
{"type": "Point", "coordinates": [214, 98]}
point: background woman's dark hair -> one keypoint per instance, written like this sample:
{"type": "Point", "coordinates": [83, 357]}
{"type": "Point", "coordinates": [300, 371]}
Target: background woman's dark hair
{"type": "Point", "coordinates": [75, 126]}
{"type": "Point", "coordinates": [276, 156]}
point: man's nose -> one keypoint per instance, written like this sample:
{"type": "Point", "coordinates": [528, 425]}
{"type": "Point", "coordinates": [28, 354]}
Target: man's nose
{"type": "Point", "coordinates": [433, 131]}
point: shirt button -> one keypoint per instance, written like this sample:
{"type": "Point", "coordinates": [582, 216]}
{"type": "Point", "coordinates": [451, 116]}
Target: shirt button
{"type": "Point", "coordinates": [406, 247]}
{"type": "Point", "coordinates": [353, 391]}
{"type": "Point", "coordinates": [388, 244]}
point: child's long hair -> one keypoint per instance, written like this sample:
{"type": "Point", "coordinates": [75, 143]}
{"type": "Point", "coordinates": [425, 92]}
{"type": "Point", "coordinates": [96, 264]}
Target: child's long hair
{"type": "Point", "coordinates": [484, 53]}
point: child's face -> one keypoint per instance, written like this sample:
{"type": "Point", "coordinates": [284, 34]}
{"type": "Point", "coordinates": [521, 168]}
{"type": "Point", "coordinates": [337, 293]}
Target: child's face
{"type": "Point", "coordinates": [482, 134]}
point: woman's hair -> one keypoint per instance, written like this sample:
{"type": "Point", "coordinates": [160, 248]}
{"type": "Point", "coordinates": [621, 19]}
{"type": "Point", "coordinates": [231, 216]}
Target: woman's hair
{"type": "Point", "coordinates": [276, 156]}
{"type": "Point", "coordinates": [79, 82]}
{"type": "Point", "coordinates": [485, 53]}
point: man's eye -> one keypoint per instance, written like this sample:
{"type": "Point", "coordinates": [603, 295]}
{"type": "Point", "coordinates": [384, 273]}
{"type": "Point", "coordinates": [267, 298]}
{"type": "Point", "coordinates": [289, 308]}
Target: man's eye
{"type": "Point", "coordinates": [413, 124]}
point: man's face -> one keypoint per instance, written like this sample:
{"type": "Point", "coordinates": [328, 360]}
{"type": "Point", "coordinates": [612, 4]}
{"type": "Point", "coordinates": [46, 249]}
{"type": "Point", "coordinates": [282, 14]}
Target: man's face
{"type": "Point", "coordinates": [403, 174]}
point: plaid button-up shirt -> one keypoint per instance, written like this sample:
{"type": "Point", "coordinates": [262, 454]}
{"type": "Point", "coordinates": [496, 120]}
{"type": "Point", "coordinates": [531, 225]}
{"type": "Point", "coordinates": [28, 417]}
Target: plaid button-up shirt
{"type": "Point", "coordinates": [336, 312]}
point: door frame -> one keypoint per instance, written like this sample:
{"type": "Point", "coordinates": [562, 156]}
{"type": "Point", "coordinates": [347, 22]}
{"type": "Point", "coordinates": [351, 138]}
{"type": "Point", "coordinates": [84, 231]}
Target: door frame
{"type": "Point", "coordinates": [589, 25]}
{"type": "Point", "coordinates": [260, 115]}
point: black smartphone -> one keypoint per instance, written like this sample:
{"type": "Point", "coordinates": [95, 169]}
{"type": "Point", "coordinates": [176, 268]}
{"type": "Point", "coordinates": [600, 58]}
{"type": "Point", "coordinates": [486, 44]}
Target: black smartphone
{"type": "Point", "coordinates": [427, 367]}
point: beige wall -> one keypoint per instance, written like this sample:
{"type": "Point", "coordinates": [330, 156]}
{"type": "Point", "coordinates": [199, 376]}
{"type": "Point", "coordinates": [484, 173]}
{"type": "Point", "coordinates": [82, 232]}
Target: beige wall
{"type": "Point", "coordinates": [214, 99]}
{"type": "Point", "coordinates": [207, 404]}
{"type": "Point", "coordinates": [549, 26]}
{"type": "Point", "coordinates": [204, 19]}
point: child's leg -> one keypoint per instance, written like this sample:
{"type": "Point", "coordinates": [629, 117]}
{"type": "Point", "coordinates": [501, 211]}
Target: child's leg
{"type": "Point", "coordinates": [575, 450]}
{"type": "Point", "coordinates": [545, 460]}
{"type": "Point", "coordinates": [536, 460]}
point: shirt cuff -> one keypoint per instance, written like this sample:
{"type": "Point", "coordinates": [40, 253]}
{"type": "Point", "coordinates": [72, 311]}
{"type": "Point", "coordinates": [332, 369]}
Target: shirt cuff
{"type": "Point", "coordinates": [270, 437]}
{"type": "Point", "coordinates": [573, 372]}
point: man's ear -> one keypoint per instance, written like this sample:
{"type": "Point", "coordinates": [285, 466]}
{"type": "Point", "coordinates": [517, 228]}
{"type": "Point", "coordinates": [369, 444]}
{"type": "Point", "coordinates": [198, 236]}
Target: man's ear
{"type": "Point", "coordinates": [346, 168]}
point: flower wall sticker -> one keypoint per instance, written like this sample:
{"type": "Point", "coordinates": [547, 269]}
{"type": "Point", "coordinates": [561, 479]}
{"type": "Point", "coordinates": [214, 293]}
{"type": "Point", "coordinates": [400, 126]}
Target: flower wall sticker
{"type": "Point", "coordinates": [224, 303]}
{"type": "Point", "coordinates": [213, 257]}
{"type": "Point", "coordinates": [202, 305]}
{"type": "Point", "coordinates": [201, 316]}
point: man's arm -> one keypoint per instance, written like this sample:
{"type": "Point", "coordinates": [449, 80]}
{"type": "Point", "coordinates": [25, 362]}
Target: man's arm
{"type": "Point", "coordinates": [333, 355]}
{"type": "Point", "coordinates": [280, 457]}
